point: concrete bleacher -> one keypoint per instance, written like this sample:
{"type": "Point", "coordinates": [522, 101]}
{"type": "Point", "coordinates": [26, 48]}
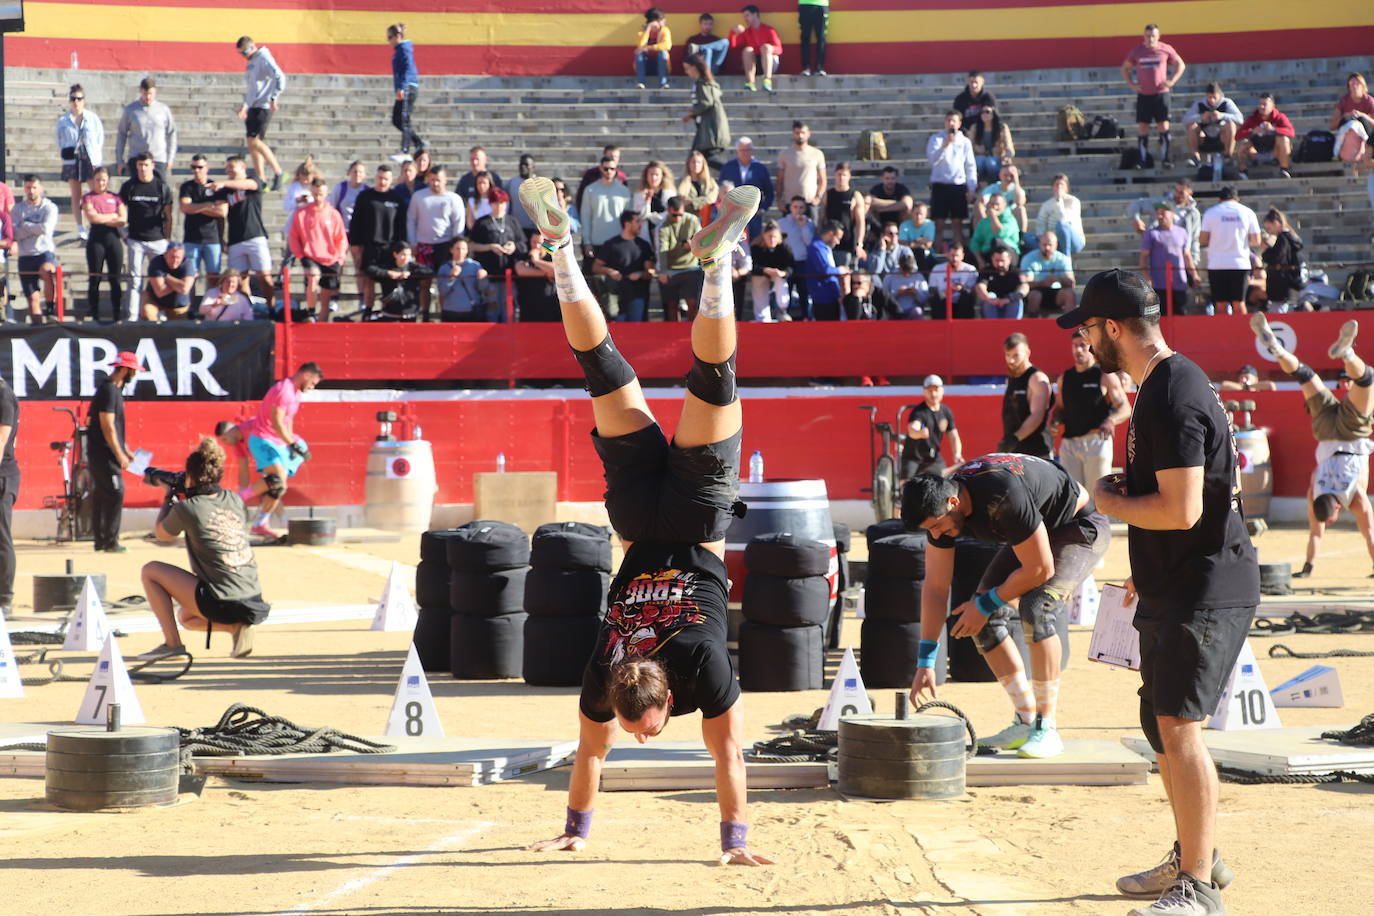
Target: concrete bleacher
{"type": "Point", "coordinates": [563, 121]}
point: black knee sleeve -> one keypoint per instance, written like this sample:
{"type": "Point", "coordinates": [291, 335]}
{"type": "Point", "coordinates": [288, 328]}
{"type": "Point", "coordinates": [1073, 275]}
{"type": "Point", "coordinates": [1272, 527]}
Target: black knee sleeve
{"type": "Point", "coordinates": [1367, 379]}
{"type": "Point", "coordinates": [1303, 373]}
{"type": "Point", "coordinates": [604, 368]}
{"type": "Point", "coordinates": [993, 634]}
{"type": "Point", "coordinates": [714, 383]}
{"type": "Point", "coordinates": [275, 485]}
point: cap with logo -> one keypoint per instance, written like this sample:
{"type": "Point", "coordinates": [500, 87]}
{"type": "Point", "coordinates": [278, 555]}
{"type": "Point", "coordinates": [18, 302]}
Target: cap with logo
{"type": "Point", "coordinates": [1115, 294]}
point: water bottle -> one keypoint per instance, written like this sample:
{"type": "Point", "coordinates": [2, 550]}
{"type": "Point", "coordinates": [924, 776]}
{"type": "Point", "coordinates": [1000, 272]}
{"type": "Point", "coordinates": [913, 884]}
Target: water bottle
{"type": "Point", "coordinates": [1216, 166]}
{"type": "Point", "coordinates": [419, 431]}
{"type": "Point", "coordinates": [76, 64]}
{"type": "Point", "coordinates": [500, 462]}
{"type": "Point", "coordinates": [756, 467]}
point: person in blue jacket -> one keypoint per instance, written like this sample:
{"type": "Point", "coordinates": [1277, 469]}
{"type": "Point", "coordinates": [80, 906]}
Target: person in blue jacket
{"type": "Point", "coordinates": [405, 79]}
{"type": "Point", "coordinates": [822, 276]}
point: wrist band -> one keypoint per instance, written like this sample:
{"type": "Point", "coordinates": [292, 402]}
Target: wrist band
{"type": "Point", "coordinates": [926, 652]}
{"type": "Point", "coordinates": [732, 834]}
{"type": "Point", "coordinates": [988, 602]}
{"type": "Point", "coordinates": [579, 823]}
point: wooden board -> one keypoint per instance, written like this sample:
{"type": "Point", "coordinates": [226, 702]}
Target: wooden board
{"type": "Point", "coordinates": [524, 498]}
{"type": "Point", "coordinates": [1277, 751]}
{"type": "Point", "coordinates": [130, 622]}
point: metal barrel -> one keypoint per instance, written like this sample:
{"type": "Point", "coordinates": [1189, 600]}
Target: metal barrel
{"type": "Point", "coordinates": [800, 507]}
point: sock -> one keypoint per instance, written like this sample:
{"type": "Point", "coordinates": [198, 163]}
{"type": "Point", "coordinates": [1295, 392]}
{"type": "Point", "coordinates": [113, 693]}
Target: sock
{"type": "Point", "coordinates": [1143, 144]}
{"type": "Point", "coordinates": [567, 276]}
{"type": "Point", "coordinates": [1046, 698]}
{"type": "Point", "coordinates": [261, 520]}
{"type": "Point", "coordinates": [1019, 689]}
{"type": "Point", "coordinates": [717, 291]}
{"type": "Point", "coordinates": [1163, 146]}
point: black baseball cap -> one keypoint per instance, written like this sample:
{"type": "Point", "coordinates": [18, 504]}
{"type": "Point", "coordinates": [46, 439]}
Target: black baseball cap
{"type": "Point", "coordinates": [1113, 293]}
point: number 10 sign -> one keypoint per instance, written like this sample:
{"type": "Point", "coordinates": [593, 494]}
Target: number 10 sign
{"type": "Point", "coordinates": [1245, 703]}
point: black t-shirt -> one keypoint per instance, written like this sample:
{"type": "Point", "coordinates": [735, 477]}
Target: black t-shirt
{"type": "Point", "coordinates": [668, 602]}
{"type": "Point", "coordinates": [157, 267]}
{"type": "Point", "coordinates": [938, 422]}
{"type": "Point", "coordinates": [199, 229]}
{"type": "Point", "coordinates": [971, 106]}
{"type": "Point", "coordinates": [1000, 285]}
{"type": "Point", "coordinates": [245, 215]}
{"type": "Point", "coordinates": [837, 207]}
{"type": "Point", "coordinates": [1012, 495]}
{"type": "Point", "coordinates": [378, 218]}
{"type": "Point", "coordinates": [898, 191]}
{"type": "Point", "coordinates": [467, 184]}
{"type": "Point", "coordinates": [146, 201]}
{"type": "Point", "coordinates": [9, 416]}
{"type": "Point", "coordinates": [1085, 408]}
{"type": "Point", "coordinates": [1178, 422]}
{"type": "Point", "coordinates": [491, 231]}
{"type": "Point", "coordinates": [108, 399]}
{"type": "Point", "coordinates": [628, 256]}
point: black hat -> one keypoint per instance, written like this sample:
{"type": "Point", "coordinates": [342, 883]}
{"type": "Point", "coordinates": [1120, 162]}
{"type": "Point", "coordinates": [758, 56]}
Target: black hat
{"type": "Point", "coordinates": [1113, 293]}
{"type": "Point", "coordinates": [1247, 368]}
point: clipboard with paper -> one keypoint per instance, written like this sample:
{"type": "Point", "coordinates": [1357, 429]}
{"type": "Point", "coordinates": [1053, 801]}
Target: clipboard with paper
{"type": "Point", "coordinates": [1115, 640]}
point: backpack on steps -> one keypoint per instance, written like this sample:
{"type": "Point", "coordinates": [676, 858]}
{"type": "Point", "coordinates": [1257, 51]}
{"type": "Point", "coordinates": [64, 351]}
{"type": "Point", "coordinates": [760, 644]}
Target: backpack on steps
{"type": "Point", "coordinates": [872, 145]}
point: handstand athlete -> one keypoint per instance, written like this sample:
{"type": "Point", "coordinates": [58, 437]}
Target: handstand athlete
{"type": "Point", "coordinates": [661, 650]}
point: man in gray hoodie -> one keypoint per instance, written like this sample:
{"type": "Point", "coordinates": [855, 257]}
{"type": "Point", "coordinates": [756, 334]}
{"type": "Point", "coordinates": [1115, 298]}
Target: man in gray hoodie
{"type": "Point", "coordinates": [35, 218]}
{"type": "Point", "coordinates": [1215, 117]}
{"type": "Point", "coordinates": [147, 126]}
{"type": "Point", "coordinates": [264, 81]}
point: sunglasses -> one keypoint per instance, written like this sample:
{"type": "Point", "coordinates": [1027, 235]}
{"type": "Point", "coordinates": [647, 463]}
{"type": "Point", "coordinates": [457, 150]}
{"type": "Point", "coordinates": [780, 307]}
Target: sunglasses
{"type": "Point", "coordinates": [76, 98]}
{"type": "Point", "coordinates": [199, 165]}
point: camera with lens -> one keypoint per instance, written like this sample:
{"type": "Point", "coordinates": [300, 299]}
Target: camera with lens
{"type": "Point", "coordinates": [174, 481]}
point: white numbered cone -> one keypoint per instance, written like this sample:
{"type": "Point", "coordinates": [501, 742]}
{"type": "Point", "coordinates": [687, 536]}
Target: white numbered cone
{"type": "Point", "coordinates": [847, 695]}
{"type": "Point", "coordinates": [1318, 686]}
{"type": "Point", "coordinates": [87, 627]}
{"type": "Point", "coordinates": [11, 684]}
{"type": "Point", "coordinates": [412, 712]}
{"type": "Point", "coordinates": [1084, 603]}
{"type": "Point", "coordinates": [110, 684]}
{"type": "Point", "coordinates": [1245, 703]}
{"type": "Point", "coordinates": [396, 610]}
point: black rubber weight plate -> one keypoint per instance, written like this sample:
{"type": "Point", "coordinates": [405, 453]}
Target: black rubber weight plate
{"type": "Point", "coordinates": [487, 648]}
{"type": "Point", "coordinates": [479, 547]}
{"type": "Point", "coordinates": [557, 649]}
{"type": "Point", "coordinates": [886, 598]}
{"type": "Point", "coordinates": [786, 602]}
{"type": "Point", "coordinates": [433, 636]}
{"type": "Point", "coordinates": [431, 583]}
{"type": "Point", "coordinates": [887, 652]}
{"type": "Point", "coordinates": [1275, 573]}
{"type": "Point", "coordinates": [780, 658]}
{"type": "Point", "coordinates": [898, 556]}
{"type": "Point", "coordinates": [561, 548]}
{"type": "Point", "coordinates": [785, 554]}
{"type": "Point", "coordinates": [566, 592]}
{"type": "Point", "coordinates": [843, 536]}
{"type": "Point", "coordinates": [488, 594]}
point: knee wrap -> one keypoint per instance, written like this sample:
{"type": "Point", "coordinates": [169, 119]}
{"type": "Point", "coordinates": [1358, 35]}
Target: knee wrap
{"type": "Point", "coordinates": [714, 383]}
{"type": "Point", "coordinates": [1367, 379]}
{"type": "Point", "coordinates": [275, 485]}
{"type": "Point", "coordinates": [604, 368]}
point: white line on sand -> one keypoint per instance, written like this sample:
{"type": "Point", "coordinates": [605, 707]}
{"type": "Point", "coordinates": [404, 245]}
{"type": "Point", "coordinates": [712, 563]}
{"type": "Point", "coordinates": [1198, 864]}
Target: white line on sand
{"type": "Point", "coordinates": [348, 887]}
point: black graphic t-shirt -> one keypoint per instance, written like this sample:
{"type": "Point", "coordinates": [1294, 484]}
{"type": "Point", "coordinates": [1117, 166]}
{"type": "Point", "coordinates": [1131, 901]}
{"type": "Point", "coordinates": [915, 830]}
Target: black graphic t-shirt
{"type": "Point", "coordinates": [1179, 422]}
{"type": "Point", "coordinates": [937, 422]}
{"type": "Point", "coordinates": [1012, 495]}
{"type": "Point", "coordinates": [668, 602]}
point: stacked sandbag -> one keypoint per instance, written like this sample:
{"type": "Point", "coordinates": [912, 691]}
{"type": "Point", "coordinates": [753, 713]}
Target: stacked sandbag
{"type": "Point", "coordinates": [488, 562]}
{"type": "Point", "coordinates": [565, 600]}
{"type": "Point", "coordinates": [786, 604]}
{"type": "Point", "coordinates": [843, 541]}
{"type": "Point", "coordinates": [434, 625]}
{"type": "Point", "coordinates": [891, 633]}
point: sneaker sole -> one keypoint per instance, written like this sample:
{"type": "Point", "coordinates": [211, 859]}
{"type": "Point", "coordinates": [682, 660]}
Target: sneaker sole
{"type": "Point", "coordinates": [243, 643]}
{"type": "Point", "coordinates": [1344, 339]}
{"type": "Point", "coordinates": [540, 200]}
{"type": "Point", "coordinates": [717, 239]}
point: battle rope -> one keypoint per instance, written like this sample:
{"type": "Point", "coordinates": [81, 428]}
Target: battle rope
{"type": "Point", "coordinates": [807, 744]}
{"type": "Point", "coordinates": [1360, 735]}
{"type": "Point", "coordinates": [1279, 650]}
{"type": "Point", "coordinates": [1325, 622]}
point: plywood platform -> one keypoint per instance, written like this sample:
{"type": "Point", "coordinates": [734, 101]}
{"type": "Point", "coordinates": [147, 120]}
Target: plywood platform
{"type": "Point", "coordinates": [1277, 751]}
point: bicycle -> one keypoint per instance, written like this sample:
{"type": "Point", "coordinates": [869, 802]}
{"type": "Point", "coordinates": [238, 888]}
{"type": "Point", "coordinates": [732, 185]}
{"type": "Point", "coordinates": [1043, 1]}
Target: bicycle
{"type": "Point", "coordinates": [885, 497]}
{"type": "Point", "coordinates": [73, 504]}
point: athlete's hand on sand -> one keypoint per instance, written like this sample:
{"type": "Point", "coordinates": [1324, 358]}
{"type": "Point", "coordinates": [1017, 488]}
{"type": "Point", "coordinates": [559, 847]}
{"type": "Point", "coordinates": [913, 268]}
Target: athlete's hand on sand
{"type": "Point", "coordinates": [564, 842]}
{"type": "Point", "coordinates": [970, 622]}
{"type": "Point", "coordinates": [921, 684]}
{"type": "Point", "coordinates": [742, 856]}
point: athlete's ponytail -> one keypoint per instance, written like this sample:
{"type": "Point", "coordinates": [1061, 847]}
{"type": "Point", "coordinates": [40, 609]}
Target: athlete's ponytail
{"type": "Point", "coordinates": [636, 686]}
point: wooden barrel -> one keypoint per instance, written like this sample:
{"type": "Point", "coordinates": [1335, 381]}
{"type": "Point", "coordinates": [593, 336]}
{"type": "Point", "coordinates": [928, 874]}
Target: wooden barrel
{"type": "Point", "coordinates": [921, 757]}
{"type": "Point", "coordinates": [1256, 472]}
{"type": "Point", "coordinates": [799, 507]}
{"type": "Point", "coordinates": [316, 531]}
{"type": "Point", "coordinates": [59, 593]}
{"type": "Point", "coordinates": [90, 768]}
{"type": "Point", "coordinates": [399, 495]}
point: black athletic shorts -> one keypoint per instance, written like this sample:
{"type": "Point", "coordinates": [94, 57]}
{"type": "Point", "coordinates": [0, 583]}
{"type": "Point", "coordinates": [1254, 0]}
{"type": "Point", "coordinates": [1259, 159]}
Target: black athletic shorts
{"type": "Point", "coordinates": [328, 273]}
{"type": "Point", "coordinates": [1228, 285]}
{"type": "Point", "coordinates": [1152, 109]}
{"type": "Point", "coordinates": [660, 492]}
{"type": "Point", "coordinates": [911, 467]}
{"type": "Point", "coordinates": [249, 610]}
{"type": "Point", "coordinates": [948, 201]}
{"type": "Point", "coordinates": [255, 125]}
{"type": "Point", "coordinates": [1184, 663]}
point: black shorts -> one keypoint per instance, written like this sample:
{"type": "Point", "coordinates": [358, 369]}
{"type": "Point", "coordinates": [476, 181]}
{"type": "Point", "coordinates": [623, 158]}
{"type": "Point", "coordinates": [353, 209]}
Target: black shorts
{"type": "Point", "coordinates": [660, 492]}
{"type": "Point", "coordinates": [249, 610]}
{"type": "Point", "coordinates": [948, 201]}
{"type": "Point", "coordinates": [1181, 300]}
{"type": "Point", "coordinates": [1228, 285]}
{"type": "Point", "coordinates": [1152, 109]}
{"type": "Point", "coordinates": [255, 125]}
{"type": "Point", "coordinates": [1262, 143]}
{"type": "Point", "coordinates": [911, 467]}
{"type": "Point", "coordinates": [328, 273]}
{"type": "Point", "coordinates": [1185, 663]}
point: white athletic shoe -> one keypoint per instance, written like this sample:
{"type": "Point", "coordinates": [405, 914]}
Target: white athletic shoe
{"type": "Point", "coordinates": [1009, 738]}
{"type": "Point", "coordinates": [1154, 881]}
{"type": "Point", "coordinates": [1044, 741]}
{"type": "Point", "coordinates": [1185, 897]}
{"type": "Point", "coordinates": [1341, 347]}
{"type": "Point", "coordinates": [243, 641]}
{"type": "Point", "coordinates": [540, 199]}
{"type": "Point", "coordinates": [717, 240]}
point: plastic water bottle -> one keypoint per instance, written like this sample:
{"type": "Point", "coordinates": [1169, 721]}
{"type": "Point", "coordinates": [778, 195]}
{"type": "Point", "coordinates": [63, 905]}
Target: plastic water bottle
{"type": "Point", "coordinates": [1216, 167]}
{"type": "Point", "coordinates": [419, 431]}
{"type": "Point", "coordinates": [76, 64]}
{"type": "Point", "coordinates": [500, 462]}
{"type": "Point", "coordinates": [756, 467]}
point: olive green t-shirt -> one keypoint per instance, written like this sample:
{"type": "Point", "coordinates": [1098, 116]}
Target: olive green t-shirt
{"type": "Point", "coordinates": [216, 529]}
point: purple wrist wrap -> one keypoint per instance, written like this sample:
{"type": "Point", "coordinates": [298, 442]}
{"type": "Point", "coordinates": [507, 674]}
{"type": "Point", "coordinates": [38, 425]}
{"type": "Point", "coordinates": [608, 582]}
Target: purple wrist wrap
{"type": "Point", "coordinates": [579, 823]}
{"type": "Point", "coordinates": [732, 835]}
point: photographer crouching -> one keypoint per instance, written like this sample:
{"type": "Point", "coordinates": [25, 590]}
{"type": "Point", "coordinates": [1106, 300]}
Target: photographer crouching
{"type": "Point", "coordinates": [222, 589]}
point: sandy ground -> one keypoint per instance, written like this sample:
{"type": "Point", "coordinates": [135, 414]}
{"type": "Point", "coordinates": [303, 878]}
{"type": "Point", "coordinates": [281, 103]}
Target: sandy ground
{"type": "Point", "coordinates": [252, 848]}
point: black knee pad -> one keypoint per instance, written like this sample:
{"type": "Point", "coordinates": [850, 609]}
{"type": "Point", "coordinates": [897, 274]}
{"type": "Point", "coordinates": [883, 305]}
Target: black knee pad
{"type": "Point", "coordinates": [714, 383]}
{"type": "Point", "coordinates": [1150, 726]}
{"type": "Point", "coordinates": [1303, 373]}
{"type": "Point", "coordinates": [604, 368]}
{"type": "Point", "coordinates": [275, 485]}
{"type": "Point", "coordinates": [993, 634]}
{"type": "Point", "coordinates": [1367, 379]}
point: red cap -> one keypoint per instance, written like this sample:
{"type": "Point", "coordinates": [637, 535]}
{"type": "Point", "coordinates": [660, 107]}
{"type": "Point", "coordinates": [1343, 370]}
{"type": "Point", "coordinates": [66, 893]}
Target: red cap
{"type": "Point", "coordinates": [126, 360]}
